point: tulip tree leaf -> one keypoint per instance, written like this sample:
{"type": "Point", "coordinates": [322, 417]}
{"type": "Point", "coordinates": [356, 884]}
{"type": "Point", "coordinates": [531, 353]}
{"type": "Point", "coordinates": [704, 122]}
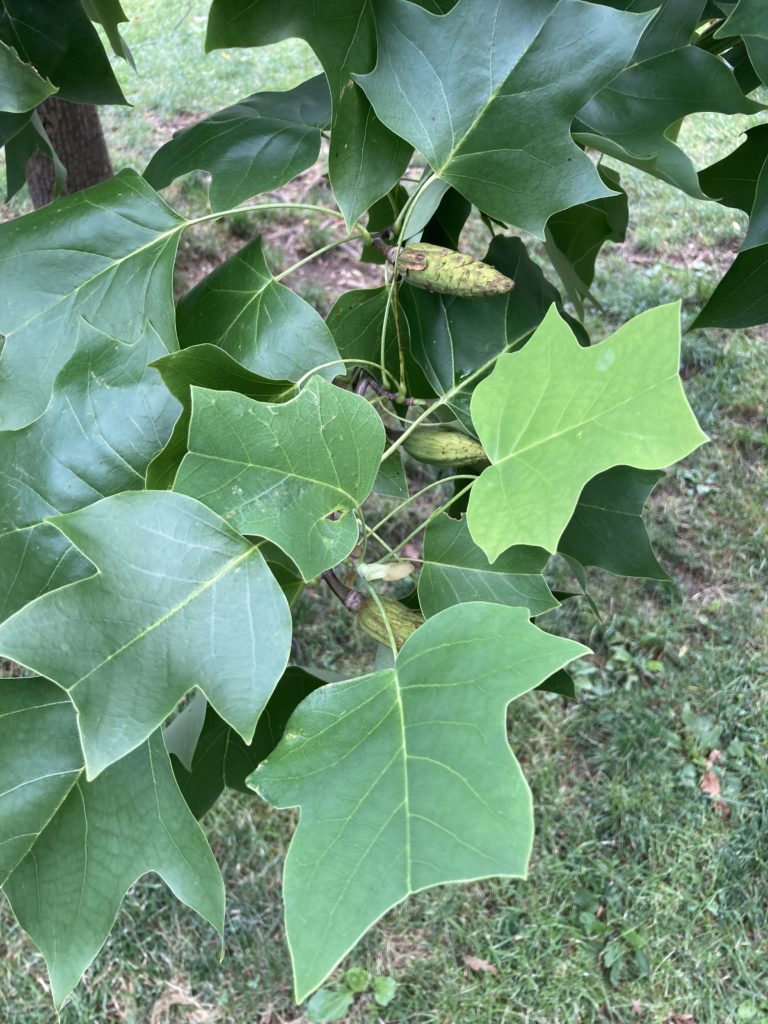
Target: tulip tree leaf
{"type": "Point", "coordinates": [455, 570]}
{"type": "Point", "coordinates": [108, 416]}
{"type": "Point", "coordinates": [254, 146]}
{"type": "Point", "coordinates": [104, 255]}
{"type": "Point", "coordinates": [222, 759]}
{"type": "Point", "coordinates": [21, 88]}
{"type": "Point", "coordinates": [607, 528]}
{"type": "Point", "coordinates": [637, 114]}
{"type": "Point", "coordinates": [741, 298]}
{"type": "Point", "coordinates": [365, 159]}
{"type": "Point", "coordinates": [110, 15]}
{"type": "Point", "coordinates": [180, 601]}
{"type": "Point", "coordinates": [86, 843]}
{"type": "Point", "coordinates": [293, 473]}
{"type": "Point", "coordinates": [64, 47]}
{"type": "Point", "coordinates": [262, 324]}
{"type": "Point", "coordinates": [672, 26]}
{"type": "Point", "coordinates": [500, 136]}
{"type": "Point", "coordinates": [210, 367]}
{"type": "Point", "coordinates": [732, 181]}
{"type": "Point", "coordinates": [553, 415]}
{"type": "Point", "coordinates": [405, 779]}
{"type": "Point", "coordinates": [749, 19]}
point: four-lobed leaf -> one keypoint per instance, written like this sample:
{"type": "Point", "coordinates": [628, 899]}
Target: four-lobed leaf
{"type": "Point", "coordinates": [70, 849]}
{"type": "Point", "coordinates": [500, 135]}
{"type": "Point", "coordinates": [294, 473]}
{"type": "Point", "coordinates": [405, 779]}
{"type": "Point", "coordinates": [553, 415]}
{"type": "Point", "coordinates": [179, 601]}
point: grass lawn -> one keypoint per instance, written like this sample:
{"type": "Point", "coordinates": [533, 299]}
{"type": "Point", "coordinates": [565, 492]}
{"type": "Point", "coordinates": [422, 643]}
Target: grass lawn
{"type": "Point", "coordinates": [647, 899]}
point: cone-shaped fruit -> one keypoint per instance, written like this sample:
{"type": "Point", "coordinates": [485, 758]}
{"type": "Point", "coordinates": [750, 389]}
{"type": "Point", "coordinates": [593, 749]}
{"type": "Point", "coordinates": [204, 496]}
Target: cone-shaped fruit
{"type": "Point", "coordinates": [402, 621]}
{"type": "Point", "coordinates": [438, 269]}
{"type": "Point", "coordinates": [438, 447]}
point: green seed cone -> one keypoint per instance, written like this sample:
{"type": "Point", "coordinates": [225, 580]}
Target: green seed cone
{"type": "Point", "coordinates": [444, 447]}
{"type": "Point", "coordinates": [402, 621]}
{"type": "Point", "coordinates": [437, 269]}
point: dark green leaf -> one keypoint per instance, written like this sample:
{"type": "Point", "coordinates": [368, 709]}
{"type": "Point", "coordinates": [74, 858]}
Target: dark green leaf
{"type": "Point", "coordinates": [86, 843]}
{"type": "Point", "coordinates": [732, 181]}
{"type": "Point", "coordinates": [553, 415]}
{"type": "Point", "coordinates": [561, 683]}
{"type": "Point", "coordinates": [59, 39]}
{"type": "Point", "coordinates": [219, 757]}
{"type": "Point", "coordinates": [21, 88]}
{"type": "Point", "coordinates": [455, 570]}
{"type": "Point", "coordinates": [30, 138]}
{"type": "Point", "coordinates": [405, 779]}
{"type": "Point", "coordinates": [365, 160]}
{"type": "Point", "coordinates": [130, 641]}
{"type": "Point", "coordinates": [294, 473]}
{"type": "Point", "coordinates": [110, 15]}
{"type": "Point", "coordinates": [672, 26]}
{"type": "Point", "coordinates": [255, 146]}
{"type": "Point", "coordinates": [749, 19]}
{"type": "Point", "coordinates": [104, 256]}
{"type": "Point", "coordinates": [508, 122]}
{"type": "Point", "coordinates": [607, 528]}
{"type": "Point", "coordinates": [262, 324]}
{"type": "Point", "coordinates": [108, 416]}
{"type": "Point", "coordinates": [448, 221]}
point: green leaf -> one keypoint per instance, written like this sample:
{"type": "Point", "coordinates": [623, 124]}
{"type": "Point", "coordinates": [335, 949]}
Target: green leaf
{"type": "Point", "coordinates": [254, 146]}
{"type": "Point", "coordinates": [280, 471]}
{"type": "Point", "coordinates": [262, 324]}
{"type": "Point", "coordinates": [219, 757]}
{"type": "Point", "coordinates": [110, 15]}
{"type": "Point", "coordinates": [741, 298]}
{"type": "Point", "coordinates": [749, 19]}
{"type": "Point", "coordinates": [128, 642]}
{"type": "Point", "coordinates": [104, 256]}
{"type": "Point", "coordinates": [455, 570]}
{"type": "Point", "coordinates": [210, 367]}
{"type": "Point", "coordinates": [575, 237]}
{"type": "Point", "coordinates": [450, 337]}
{"type": "Point", "coordinates": [553, 415]}
{"type": "Point", "coordinates": [638, 113]}
{"type": "Point", "coordinates": [405, 779]}
{"type": "Point", "coordinates": [108, 416]}
{"type": "Point", "coordinates": [383, 989]}
{"type": "Point", "coordinates": [732, 181]}
{"type": "Point", "coordinates": [365, 159]}
{"type": "Point", "coordinates": [329, 1004]}
{"type": "Point", "coordinates": [672, 26]}
{"type": "Point", "coordinates": [607, 528]}
{"type": "Point", "coordinates": [86, 843]}
{"type": "Point", "coordinates": [561, 683]}
{"type": "Point", "coordinates": [21, 88]}
{"type": "Point", "coordinates": [357, 979]}
{"type": "Point", "coordinates": [63, 46]}
{"type": "Point", "coordinates": [29, 139]}
{"type": "Point", "coordinates": [508, 122]}
{"type": "Point", "coordinates": [448, 221]}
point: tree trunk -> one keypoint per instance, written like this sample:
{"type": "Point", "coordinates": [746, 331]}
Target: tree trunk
{"type": "Point", "coordinates": [75, 133]}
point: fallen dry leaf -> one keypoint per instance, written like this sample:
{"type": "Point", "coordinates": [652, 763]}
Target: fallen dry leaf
{"type": "Point", "coordinates": [710, 786]}
{"type": "Point", "coordinates": [476, 963]}
{"type": "Point", "coordinates": [715, 757]}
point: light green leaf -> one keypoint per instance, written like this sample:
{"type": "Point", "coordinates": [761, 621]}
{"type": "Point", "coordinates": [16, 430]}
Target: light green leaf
{"type": "Point", "coordinates": [21, 88]}
{"type": "Point", "coordinates": [104, 256]}
{"type": "Point", "coordinates": [405, 779]}
{"type": "Point", "coordinates": [63, 46]}
{"type": "Point", "coordinates": [280, 471]}
{"type": "Point", "coordinates": [180, 601]}
{"type": "Point", "coordinates": [210, 367]}
{"type": "Point", "coordinates": [365, 159]}
{"type": "Point", "coordinates": [607, 528]}
{"type": "Point", "coordinates": [262, 324]}
{"type": "Point", "coordinates": [500, 135]}
{"type": "Point", "coordinates": [108, 416]}
{"type": "Point", "coordinates": [86, 843]}
{"type": "Point", "coordinates": [254, 146]}
{"type": "Point", "coordinates": [553, 415]}
{"type": "Point", "coordinates": [329, 1004]}
{"type": "Point", "coordinates": [455, 570]}
{"type": "Point", "coordinates": [383, 989]}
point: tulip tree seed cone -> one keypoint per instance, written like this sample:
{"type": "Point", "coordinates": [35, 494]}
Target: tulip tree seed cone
{"type": "Point", "coordinates": [402, 621]}
{"type": "Point", "coordinates": [439, 447]}
{"type": "Point", "coordinates": [438, 269]}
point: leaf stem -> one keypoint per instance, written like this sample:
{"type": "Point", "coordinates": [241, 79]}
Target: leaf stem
{"type": "Point", "coordinates": [433, 515]}
{"type": "Point", "coordinates": [313, 256]}
{"type": "Point", "coordinates": [309, 207]}
{"type": "Point", "coordinates": [418, 494]}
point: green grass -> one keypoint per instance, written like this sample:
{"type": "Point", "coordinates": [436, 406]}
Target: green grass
{"type": "Point", "coordinates": [645, 901]}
